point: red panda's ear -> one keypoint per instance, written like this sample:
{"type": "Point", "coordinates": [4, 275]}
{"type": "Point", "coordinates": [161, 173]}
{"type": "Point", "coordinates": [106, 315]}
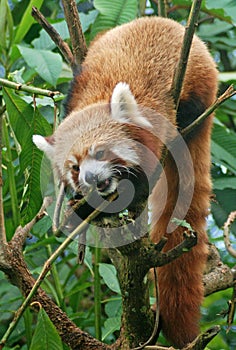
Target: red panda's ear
{"type": "Point", "coordinates": [124, 107]}
{"type": "Point", "coordinates": [45, 144]}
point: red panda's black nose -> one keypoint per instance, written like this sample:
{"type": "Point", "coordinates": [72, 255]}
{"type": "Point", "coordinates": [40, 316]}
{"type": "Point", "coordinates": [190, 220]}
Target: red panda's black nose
{"type": "Point", "coordinates": [91, 178]}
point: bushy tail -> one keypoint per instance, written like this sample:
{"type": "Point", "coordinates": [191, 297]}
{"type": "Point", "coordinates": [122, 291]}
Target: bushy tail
{"type": "Point", "coordinates": [181, 294]}
{"type": "Point", "coordinates": [180, 282]}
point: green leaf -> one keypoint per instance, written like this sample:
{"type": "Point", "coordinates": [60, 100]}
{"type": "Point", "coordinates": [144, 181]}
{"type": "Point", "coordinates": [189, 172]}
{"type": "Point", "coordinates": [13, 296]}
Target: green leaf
{"type": "Point", "coordinates": [227, 76]}
{"type": "Point", "coordinates": [223, 146]}
{"type": "Point", "coordinates": [46, 63]}
{"type": "Point", "coordinates": [224, 182]}
{"type": "Point", "coordinates": [45, 336]}
{"type": "Point", "coordinates": [45, 42]}
{"type": "Point", "coordinates": [110, 326]}
{"type": "Point", "coordinates": [108, 273]}
{"type": "Point", "coordinates": [225, 7]}
{"type": "Point", "coordinates": [182, 223]}
{"type": "Point", "coordinates": [113, 13]}
{"type": "Point", "coordinates": [25, 121]}
{"type": "Point", "coordinates": [26, 21]}
{"type": "Point", "coordinates": [224, 204]}
{"type": "Point", "coordinates": [6, 24]}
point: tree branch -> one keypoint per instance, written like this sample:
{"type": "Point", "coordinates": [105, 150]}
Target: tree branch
{"type": "Point", "coordinates": [75, 29]}
{"type": "Point", "coordinates": [3, 239]}
{"type": "Point", "coordinates": [54, 35]}
{"type": "Point", "coordinates": [29, 89]}
{"type": "Point", "coordinates": [227, 225]}
{"type": "Point", "coordinates": [226, 95]}
{"type": "Point", "coordinates": [187, 41]}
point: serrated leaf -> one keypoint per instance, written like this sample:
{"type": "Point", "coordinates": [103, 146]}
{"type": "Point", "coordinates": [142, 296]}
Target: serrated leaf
{"type": "Point", "coordinates": [113, 13]}
{"type": "Point", "coordinates": [26, 21]}
{"type": "Point", "coordinates": [46, 63]}
{"type": "Point", "coordinates": [25, 121]}
{"type": "Point", "coordinates": [45, 336]}
{"type": "Point", "coordinates": [108, 273]}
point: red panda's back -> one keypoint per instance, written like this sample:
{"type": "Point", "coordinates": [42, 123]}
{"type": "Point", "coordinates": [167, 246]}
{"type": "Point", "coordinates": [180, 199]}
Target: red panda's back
{"type": "Point", "coordinates": [144, 54]}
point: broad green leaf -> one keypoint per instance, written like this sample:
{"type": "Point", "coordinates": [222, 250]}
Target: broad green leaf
{"type": "Point", "coordinates": [224, 182]}
{"type": "Point", "coordinates": [108, 273]}
{"type": "Point", "coordinates": [20, 114]}
{"type": "Point", "coordinates": [45, 336]}
{"type": "Point", "coordinates": [225, 7]}
{"type": "Point", "coordinates": [45, 42]}
{"type": "Point", "coordinates": [223, 147]}
{"type": "Point", "coordinates": [113, 13]}
{"type": "Point", "coordinates": [224, 204]}
{"type": "Point", "coordinates": [110, 326]}
{"type": "Point", "coordinates": [46, 63]}
{"type": "Point", "coordinates": [26, 21]}
{"type": "Point", "coordinates": [25, 121]}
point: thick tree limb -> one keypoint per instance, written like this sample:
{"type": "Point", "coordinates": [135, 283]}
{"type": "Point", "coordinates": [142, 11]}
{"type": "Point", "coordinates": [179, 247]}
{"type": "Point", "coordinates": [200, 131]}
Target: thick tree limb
{"type": "Point", "coordinates": [218, 276]}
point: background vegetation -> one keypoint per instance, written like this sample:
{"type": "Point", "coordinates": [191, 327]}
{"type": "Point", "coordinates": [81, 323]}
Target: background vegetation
{"type": "Point", "coordinates": [27, 55]}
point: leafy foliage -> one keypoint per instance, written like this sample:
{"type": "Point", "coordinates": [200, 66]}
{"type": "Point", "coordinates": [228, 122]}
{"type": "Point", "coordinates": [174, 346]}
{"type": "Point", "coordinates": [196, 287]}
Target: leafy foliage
{"type": "Point", "coordinates": [28, 55]}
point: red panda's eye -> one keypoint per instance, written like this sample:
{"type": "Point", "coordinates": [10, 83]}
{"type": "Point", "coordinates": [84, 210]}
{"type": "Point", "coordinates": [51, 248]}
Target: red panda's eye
{"type": "Point", "coordinates": [99, 155]}
{"type": "Point", "coordinates": [75, 167]}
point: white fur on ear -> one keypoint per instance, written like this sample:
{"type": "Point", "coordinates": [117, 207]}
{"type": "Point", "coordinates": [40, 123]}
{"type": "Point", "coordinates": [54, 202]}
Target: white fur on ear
{"type": "Point", "coordinates": [43, 144]}
{"type": "Point", "coordinates": [124, 107]}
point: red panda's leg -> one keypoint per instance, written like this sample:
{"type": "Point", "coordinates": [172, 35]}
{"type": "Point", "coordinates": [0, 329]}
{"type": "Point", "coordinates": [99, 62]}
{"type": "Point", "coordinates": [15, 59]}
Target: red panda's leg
{"type": "Point", "coordinates": [180, 282]}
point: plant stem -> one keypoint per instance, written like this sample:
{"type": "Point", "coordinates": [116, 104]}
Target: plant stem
{"type": "Point", "coordinates": [97, 290]}
{"type": "Point", "coordinates": [56, 280]}
{"type": "Point", "coordinates": [29, 89]}
{"type": "Point", "coordinates": [162, 8]}
{"type": "Point", "coordinates": [11, 177]}
{"type": "Point", "coordinates": [187, 41]}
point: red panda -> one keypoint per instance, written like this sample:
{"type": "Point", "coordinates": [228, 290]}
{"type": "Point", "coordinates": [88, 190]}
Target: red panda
{"type": "Point", "coordinates": [122, 99]}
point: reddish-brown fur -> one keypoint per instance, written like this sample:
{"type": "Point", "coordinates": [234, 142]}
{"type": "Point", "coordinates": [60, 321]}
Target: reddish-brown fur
{"type": "Point", "coordinates": [144, 54]}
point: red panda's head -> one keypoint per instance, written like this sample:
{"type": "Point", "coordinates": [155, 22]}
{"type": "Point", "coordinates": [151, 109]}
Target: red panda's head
{"type": "Point", "coordinates": [103, 143]}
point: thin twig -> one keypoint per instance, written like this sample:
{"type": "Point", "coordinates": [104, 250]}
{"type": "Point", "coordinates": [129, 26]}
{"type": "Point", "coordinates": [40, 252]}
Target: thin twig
{"type": "Point", "coordinates": [54, 35]}
{"type": "Point", "coordinates": [227, 225]}
{"type": "Point", "coordinates": [75, 29]}
{"type": "Point", "coordinates": [57, 211]}
{"type": "Point", "coordinates": [226, 95]}
{"type": "Point", "coordinates": [187, 41]}
{"type": "Point", "coordinates": [3, 239]}
{"type": "Point", "coordinates": [27, 88]}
